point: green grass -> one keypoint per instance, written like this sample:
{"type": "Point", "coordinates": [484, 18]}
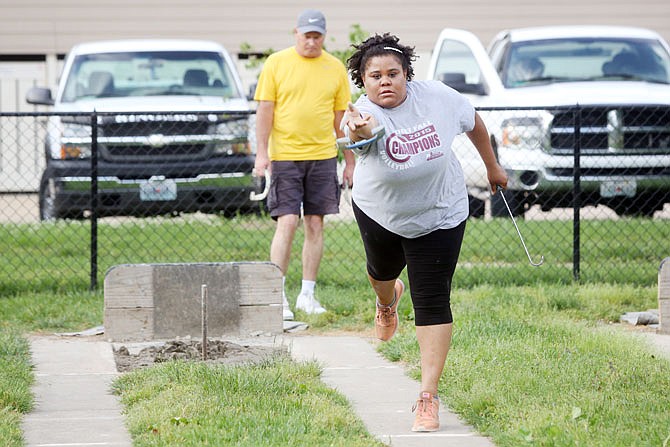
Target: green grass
{"type": "Point", "coordinates": [55, 256]}
{"type": "Point", "coordinates": [540, 366]}
{"type": "Point", "coordinates": [51, 312]}
{"type": "Point", "coordinates": [275, 403]}
{"type": "Point", "coordinates": [535, 360]}
{"type": "Point", "coordinates": [15, 381]}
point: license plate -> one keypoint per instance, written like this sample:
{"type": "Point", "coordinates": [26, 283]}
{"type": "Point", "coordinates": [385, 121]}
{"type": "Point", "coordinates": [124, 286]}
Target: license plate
{"type": "Point", "coordinates": [158, 190]}
{"type": "Point", "coordinates": [615, 188]}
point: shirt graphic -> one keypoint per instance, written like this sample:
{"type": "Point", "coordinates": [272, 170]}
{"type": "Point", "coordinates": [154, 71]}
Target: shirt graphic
{"type": "Point", "coordinates": [402, 145]}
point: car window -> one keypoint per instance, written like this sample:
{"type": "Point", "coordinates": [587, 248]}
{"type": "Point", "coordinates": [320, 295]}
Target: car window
{"type": "Point", "coordinates": [561, 60]}
{"type": "Point", "coordinates": [456, 57]}
{"type": "Point", "coordinates": [458, 67]}
{"type": "Point", "coordinates": [156, 73]}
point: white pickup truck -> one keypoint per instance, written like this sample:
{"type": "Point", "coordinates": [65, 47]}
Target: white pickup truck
{"type": "Point", "coordinates": [538, 89]}
{"type": "Point", "coordinates": [172, 131]}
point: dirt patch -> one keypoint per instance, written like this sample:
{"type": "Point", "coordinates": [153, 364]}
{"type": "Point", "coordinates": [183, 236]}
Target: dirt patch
{"type": "Point", "coordinates": [129, 358]}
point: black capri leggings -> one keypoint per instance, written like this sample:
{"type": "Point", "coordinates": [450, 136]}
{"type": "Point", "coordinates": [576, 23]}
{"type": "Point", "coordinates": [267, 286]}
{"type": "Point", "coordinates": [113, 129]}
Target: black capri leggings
{"type": "Point", "coordinates": [430, 259]}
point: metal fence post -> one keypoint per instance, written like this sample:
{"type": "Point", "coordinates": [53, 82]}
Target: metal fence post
{"type": "Point", "coordinates": [94, 201]}
{"type": "Point", "coordinates": [576, 197]}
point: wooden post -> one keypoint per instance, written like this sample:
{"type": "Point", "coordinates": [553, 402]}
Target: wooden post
{"type": "Point", "coordinates": [161, 301]}
{"type": "Point", "coordinates": [664, 296]}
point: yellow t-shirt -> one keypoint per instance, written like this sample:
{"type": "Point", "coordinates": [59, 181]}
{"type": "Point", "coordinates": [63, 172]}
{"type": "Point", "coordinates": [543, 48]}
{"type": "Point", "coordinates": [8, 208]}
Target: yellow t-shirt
{"type": "Point", "coordinates": [306, 92]}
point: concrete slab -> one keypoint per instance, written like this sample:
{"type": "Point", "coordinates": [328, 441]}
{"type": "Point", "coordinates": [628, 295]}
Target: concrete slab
{"type": "Point", "coordinates": [660, 342]}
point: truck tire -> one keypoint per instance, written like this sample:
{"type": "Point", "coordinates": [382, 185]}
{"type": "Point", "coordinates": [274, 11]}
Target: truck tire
{"type": "Point", "coordinates": [47, 204]}
{"type": "Point", "coordinates": [47, 201]}
{"type": "Point", "coordinates": [644, 205]}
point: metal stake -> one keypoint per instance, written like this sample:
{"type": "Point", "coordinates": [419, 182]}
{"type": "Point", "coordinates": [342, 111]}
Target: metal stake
{"type": "Point", "coordinates": [203, 306]}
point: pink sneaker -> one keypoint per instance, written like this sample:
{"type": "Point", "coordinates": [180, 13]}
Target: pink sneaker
{"type": "Point", "coordinates": [386, 320]}
{"type": "Point", "coordinates": [427, 413]}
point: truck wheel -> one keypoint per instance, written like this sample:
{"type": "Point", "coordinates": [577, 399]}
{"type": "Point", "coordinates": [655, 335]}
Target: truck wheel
{"type": "Point", "coordinates": [641, 206]}
{"type": "Point", "coordinates": [47, 201]}
{"type": "Point", "coordinates": [514, 200]}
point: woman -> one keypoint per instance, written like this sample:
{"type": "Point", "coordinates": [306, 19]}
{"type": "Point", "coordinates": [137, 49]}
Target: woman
{"type": "Point", "coordinates": [410, 198]}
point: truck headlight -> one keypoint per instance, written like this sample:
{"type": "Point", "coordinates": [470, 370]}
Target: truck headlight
{"type": "Point", "coordinates": [75, 142]}
{"type": "Point", "coordinates": [73, 150]}
{"type": "Point", "coordinates": [231, 148]}
{"type": "Point", "coordinates": [233, 137]}
{"type": "Point", "coordinates": [524, 133]}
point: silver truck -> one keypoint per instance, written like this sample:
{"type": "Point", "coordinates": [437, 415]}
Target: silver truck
{"type": "Point", "coordinates": [172, 131]}
{"type": "Point", "coordinates": [538, 89]}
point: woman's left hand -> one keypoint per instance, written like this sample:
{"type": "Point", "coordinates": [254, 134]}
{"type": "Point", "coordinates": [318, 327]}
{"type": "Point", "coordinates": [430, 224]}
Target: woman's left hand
{"type": "Point", "coordinates": [497, 176]}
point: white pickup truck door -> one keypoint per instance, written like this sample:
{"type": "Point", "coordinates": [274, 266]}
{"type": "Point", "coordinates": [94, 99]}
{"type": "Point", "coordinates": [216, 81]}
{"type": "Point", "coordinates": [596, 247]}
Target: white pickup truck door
{"type": "Point", "coordinates": [460, 51]}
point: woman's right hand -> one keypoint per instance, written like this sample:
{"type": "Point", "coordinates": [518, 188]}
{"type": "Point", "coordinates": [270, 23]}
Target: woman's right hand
{"type": "Point", "coordinates": [359, 126]}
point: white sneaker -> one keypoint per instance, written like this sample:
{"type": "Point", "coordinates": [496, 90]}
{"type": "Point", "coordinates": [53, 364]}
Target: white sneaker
{"type": "Point", "coordinates": [307, 303]}
{"type": "Point", "coordinates": [286, 311]}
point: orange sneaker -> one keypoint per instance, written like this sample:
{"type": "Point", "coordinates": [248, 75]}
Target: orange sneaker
{"type": "Point", "coordinates": [427, 413]}
{"type": "Point", "coordinates": [386, 320]}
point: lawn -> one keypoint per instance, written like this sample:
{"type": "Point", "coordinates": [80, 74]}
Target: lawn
{"type": "Point", "coordinates": [535, 360]}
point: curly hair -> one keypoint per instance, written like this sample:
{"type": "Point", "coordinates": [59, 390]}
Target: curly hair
{"type": "Point", "coordinates": [376, 46]}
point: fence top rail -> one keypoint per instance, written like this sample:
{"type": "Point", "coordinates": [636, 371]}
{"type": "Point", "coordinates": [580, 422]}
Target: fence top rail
{"type": "Point", "coordinates": [574, 108]}
{"type": "Point", "coordinates": [131, 113]}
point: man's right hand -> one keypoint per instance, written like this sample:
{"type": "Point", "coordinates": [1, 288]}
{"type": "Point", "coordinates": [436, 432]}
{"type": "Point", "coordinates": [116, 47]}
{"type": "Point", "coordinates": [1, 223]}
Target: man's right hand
{"type": "Point", "coordinates": [261, 165]}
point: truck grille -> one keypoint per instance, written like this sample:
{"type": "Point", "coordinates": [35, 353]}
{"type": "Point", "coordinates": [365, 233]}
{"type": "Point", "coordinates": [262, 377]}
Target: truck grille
{"type": "Point", "coordinates": [613, 130]}
{"type": "Point", "coordinates": [610, 172]}
{"type": "Point", "coordinates": [172, 150]}
{"type": "Point", "coordinates": [155, 127]}
{"type": "Point", "coordinates": [153, 149]}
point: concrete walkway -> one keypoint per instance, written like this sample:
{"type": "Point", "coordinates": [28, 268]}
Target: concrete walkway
{"type": "Point", "coordinates": [380, 392]}
{"type": "Point", "coordinates": [75, 407]}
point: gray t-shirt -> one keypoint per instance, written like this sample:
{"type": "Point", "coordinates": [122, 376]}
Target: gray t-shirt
{"type": "Point", "coordinates": [410, 181]}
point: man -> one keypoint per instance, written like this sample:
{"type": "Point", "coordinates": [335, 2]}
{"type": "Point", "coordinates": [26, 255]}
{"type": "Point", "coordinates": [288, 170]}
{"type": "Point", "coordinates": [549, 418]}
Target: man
{"type": "Point", "coordinates": [302, 93]}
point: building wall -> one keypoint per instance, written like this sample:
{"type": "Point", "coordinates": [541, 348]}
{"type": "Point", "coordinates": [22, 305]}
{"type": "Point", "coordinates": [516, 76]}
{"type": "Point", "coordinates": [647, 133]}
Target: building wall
{"type": "Point", "coordinates": [52, 27]}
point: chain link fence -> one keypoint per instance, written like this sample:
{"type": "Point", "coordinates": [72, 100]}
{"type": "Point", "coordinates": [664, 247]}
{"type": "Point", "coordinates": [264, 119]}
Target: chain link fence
{"type": "Point", "coordinates": [79, 193]}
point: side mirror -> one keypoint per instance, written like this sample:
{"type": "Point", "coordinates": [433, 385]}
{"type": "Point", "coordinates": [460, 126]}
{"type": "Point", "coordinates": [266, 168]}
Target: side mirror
{"type": "Point", "coordinates": [39, 96]}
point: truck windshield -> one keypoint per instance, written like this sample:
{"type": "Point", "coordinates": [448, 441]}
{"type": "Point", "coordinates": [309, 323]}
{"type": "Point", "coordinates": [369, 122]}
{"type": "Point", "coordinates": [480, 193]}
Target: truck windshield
{"type": "Point", "coordinates": [585, 59]}
{"type": "Point", "coordinates": [154, 73]}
